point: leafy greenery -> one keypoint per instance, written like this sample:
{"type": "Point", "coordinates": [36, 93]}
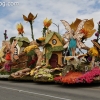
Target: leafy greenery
{"type": "Point", "coordinates": [48, 55]}
{"type": "Point", "coordinates": [8, 73]}
{"type": "Point", "coordinates": [49, 36]}
{"type": "Point", "coordinates": [57, 48]}
{"type": "Point", "coordinates": [11, 39]}
{"type": "Point", "coordinates": [20, 43]}
{"type": "Point", "coordinates": [51, 49]}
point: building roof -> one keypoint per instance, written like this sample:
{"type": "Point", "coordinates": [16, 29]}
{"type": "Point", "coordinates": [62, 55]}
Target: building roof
{"type": "Point", "coordinates": [50, 35]}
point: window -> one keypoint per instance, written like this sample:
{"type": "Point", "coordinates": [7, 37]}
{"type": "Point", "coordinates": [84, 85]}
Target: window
{"type": "Point", "coordinates": [54, 41]}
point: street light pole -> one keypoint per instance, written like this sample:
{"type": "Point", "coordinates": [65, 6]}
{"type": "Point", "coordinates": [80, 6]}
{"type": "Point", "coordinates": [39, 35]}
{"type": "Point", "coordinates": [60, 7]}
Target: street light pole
{"type": "Point", "coordinates": [57, 26]}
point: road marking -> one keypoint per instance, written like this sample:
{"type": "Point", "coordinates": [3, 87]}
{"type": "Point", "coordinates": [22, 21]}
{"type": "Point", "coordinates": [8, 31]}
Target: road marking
{"type": "Point", "coordinates": [34, 93]}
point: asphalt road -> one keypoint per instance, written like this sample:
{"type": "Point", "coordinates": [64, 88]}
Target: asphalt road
{"type": "Point", "coordinates": [12, 90]}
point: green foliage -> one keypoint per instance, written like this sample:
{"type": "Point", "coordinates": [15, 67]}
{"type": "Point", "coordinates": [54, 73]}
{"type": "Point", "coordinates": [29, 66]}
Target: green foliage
{"type": "Point", "coordinates": [49, 66]}
{"type": "Point", "coordinates": [8, 73]}
{"type": "Point", "coordinates": [66, 69]}
{"type": "Point", "coordinates": [24, 39]}
{"type": "Point", "coordinates": [83, 67]}
{"type": "Point", "coordinates": [51, 49]}
{"type": "Point", "coordinates": [57, 48]}
{"type": "Point", "coordinates": [48, 47]}
{"type": "Point", "coordinates": [20, 43]}
{"type": "Point", "coordinates": [48, 55]}
{"type": "Point", "coordinates": [4, 73]}
{"type": "Point", "coordinates": [43, 75]}
{"type": "Point", "coordinates": [30, 53]}
{"type": "Point", "coordinates": [11, 39]}
{"type": "Point", "coordinates": [49, 36]}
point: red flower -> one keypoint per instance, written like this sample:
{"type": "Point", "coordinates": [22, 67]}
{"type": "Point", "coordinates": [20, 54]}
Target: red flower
{"type": "Point", "coordinates": [71, 77]}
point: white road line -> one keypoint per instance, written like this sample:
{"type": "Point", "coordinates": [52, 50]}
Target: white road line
{"type": "Point", "coordinates": [34, 93]}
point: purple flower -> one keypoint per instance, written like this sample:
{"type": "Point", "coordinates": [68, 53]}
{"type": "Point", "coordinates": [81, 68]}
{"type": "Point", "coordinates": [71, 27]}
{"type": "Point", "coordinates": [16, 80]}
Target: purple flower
{"type": "Point", "coordinates": [89, 58]}
{"type": "Point", "coordinates": [97, 34]}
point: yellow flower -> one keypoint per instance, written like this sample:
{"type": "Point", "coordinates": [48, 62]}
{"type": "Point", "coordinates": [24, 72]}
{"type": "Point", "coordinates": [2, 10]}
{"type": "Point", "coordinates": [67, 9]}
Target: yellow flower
{"type": "Point", "coordinates": [29, 48]}
{"type": "Point", "coordinates": [47, 22]}
{"type": "Point", "coordinates": [93, 51]}
{"type": "Point", "coordinates": [41, 39]}
{"type": "Point", "coordinates": [20, 28]}
{"type": "Point", "coordinates": [32, 72]}
{"type": "Point", "coordinates": [30, 17]}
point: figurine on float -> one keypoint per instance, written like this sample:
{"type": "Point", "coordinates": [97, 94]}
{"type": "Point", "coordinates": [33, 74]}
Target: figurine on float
{"type": "Point", "coordinates": [74, 37]}
{"type": "Point", "coordinates": [5, 54]}
{"type": "Point", "coordinates": [76, 33]}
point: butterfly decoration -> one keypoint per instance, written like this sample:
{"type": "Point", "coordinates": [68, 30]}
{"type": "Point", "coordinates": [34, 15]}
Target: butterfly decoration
{"type": "Point", "coordinates": [82, 29]}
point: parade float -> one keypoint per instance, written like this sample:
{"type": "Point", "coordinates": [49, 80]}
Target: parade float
{"type": "Point", "coordinates": [62, 59]}
{"type": "Point", "coordinates": [81, 68]}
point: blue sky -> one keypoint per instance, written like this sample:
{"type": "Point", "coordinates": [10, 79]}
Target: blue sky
{"type": "Point", "coordinates": [56, 10]}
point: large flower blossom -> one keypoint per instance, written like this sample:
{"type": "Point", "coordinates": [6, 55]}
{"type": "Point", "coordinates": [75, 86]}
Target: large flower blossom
{"type": "Point", "coordinates": [30, 19]}
{"type": "Point", "coordinates": [47, 22]}
{"type": "Point", "coordinates": [20, 29]}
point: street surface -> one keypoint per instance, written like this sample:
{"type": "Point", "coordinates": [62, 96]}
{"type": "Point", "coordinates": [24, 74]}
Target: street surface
{"type": "Point", "coordinates": [14, 90]}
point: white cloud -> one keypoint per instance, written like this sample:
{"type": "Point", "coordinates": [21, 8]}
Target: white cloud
{"type": "Point", "coordinates": [67, 10]}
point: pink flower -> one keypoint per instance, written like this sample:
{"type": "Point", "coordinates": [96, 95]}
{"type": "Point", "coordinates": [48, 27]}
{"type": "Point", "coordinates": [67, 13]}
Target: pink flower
{"type": "Point", "coordinates": [88, 77]}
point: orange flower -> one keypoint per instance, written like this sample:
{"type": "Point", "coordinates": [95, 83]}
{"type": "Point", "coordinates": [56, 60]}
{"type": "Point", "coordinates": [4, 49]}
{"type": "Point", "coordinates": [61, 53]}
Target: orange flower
{"type": "Point", "coordinates": [84, 31]}
{"type": "Point", "coordinates": [47, 22]}
{"type": "Point", "coordinates": [88, 28]}
{"type": "Point", "coordinates": [30, 17]}
{"type": "Point", "coordinates": [20, 28]}
{"type": "Point", "coordinates": [71, 77]}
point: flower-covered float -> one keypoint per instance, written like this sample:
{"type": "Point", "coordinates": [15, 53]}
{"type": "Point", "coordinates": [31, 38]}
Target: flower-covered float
{"type": "Point", "coordinates": [25, 57]}
{"type": "Point", "coordinates": [61, 59]}
{"type": "Point", "coordinates": [81, 68]}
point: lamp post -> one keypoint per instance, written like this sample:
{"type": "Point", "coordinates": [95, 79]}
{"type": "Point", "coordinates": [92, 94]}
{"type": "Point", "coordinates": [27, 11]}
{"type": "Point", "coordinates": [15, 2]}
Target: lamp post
{"type": "Point", "coordinates": [57, 26]}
